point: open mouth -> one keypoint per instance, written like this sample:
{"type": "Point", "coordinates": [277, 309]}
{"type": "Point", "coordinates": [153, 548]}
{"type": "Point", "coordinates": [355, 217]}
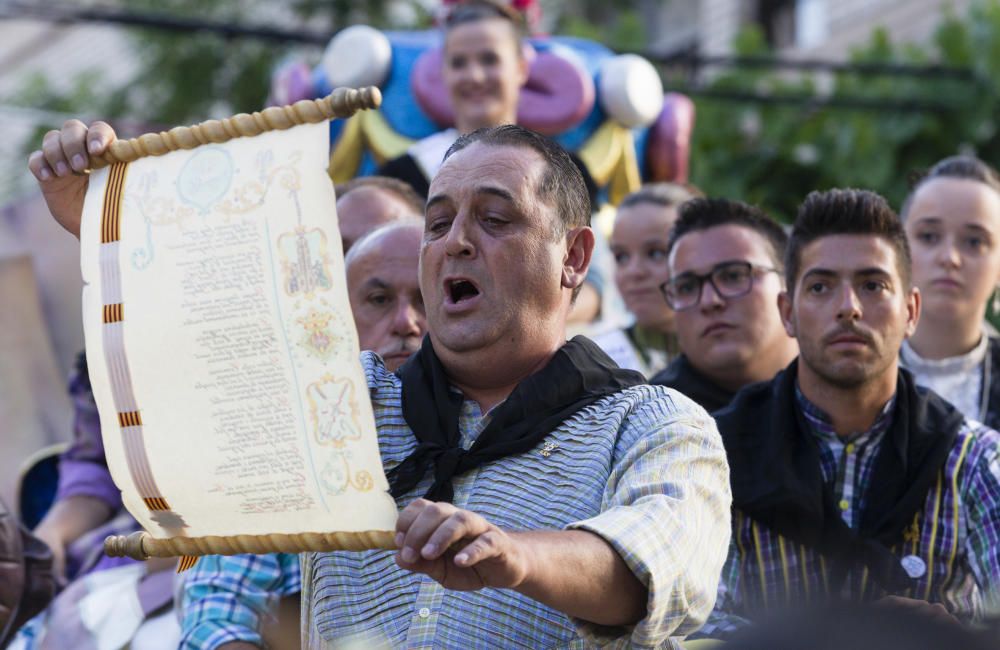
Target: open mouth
{"type": "Point", "coordinates": [460, 290]}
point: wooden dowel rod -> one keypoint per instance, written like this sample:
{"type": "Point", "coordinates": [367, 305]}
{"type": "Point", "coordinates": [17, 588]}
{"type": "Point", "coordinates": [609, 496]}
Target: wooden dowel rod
{"type": "Point", "coordinates": [142, 546]}
{"type": "Point", "coordinates": [342, 102]}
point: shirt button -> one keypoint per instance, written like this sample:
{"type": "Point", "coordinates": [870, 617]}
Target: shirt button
{"type": "Point", "coordinates": [844, 504]}
{"type": "Point", "coordinates": [850, 448]}
{"type": "Point", "coordinates": [424, 613]}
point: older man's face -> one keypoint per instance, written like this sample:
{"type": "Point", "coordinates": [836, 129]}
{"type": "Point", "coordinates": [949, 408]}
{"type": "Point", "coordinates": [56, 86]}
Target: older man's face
{"type": "Point", "coordinates": [491, 262]}
{"type": "Point", "coordinates": [365, 208]}
{"type": "Point", "coordinates": [385, 295]}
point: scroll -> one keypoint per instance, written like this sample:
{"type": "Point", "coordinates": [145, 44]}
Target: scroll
{"type": "Point", "coordinates": [220, 342]}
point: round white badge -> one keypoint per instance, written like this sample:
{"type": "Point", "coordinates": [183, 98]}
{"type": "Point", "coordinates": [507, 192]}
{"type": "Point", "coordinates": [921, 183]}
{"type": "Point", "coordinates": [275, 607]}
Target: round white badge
{"type": "Point", "coordinates": [914, 566]}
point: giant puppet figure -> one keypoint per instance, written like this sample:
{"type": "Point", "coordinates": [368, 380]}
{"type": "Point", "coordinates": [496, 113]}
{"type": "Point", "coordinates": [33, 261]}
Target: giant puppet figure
{"type": "Point", "coordinates": [609, 109]}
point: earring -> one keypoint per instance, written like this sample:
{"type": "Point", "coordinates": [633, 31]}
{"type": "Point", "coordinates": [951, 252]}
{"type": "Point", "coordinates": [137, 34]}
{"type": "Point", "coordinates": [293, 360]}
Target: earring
{"type": "Point", "coordinates": [996, 301]}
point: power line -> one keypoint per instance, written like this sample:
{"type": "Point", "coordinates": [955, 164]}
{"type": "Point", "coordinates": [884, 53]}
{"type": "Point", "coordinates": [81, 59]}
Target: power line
{"type": "Point", "coordinates": [816, 101]}
{"type": "Point", "coordinates": [867, 68]}
{"type": "Point", "coordinates": [63, 14]}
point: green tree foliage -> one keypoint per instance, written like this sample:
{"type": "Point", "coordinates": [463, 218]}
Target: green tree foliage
{"type": "Point", "coordinates": [617, 25]}
{"type": "Point", "coordinates": [770, 154]}
{"type": "Point", "coordinates": [186, 77]}
{"type": "Point", "coordinates": [774, 154]}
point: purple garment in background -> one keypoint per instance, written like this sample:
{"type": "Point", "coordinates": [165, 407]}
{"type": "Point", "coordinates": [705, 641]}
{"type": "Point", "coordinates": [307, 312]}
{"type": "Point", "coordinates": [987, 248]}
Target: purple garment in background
{"type": "Point", "coordinates": [83, 471]}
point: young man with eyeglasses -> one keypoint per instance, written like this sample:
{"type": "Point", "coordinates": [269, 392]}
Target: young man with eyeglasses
{"type": "Point", "coordinates": [725, 261]}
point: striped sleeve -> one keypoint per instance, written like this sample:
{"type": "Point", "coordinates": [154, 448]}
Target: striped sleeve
{"type": "Point", "coordinates": [666, 511]}
{"type": "Point", "coordinates": [227, 598]}
{"type": "Point", "coordinates": [981, 496]}
{"type": "Point", "coordinates": [723, 621]}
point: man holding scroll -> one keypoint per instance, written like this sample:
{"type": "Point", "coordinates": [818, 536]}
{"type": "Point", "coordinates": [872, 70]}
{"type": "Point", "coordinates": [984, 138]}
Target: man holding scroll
{"type": "Point", "coordinates": [549, 498]}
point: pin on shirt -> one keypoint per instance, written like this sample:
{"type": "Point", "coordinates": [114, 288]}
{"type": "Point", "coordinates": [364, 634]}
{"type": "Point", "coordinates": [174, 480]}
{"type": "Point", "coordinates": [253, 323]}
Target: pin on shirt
{"type": "Point", "coordinates": [549, 447]}
{"type": "Point", "coordinates": [914, 566]}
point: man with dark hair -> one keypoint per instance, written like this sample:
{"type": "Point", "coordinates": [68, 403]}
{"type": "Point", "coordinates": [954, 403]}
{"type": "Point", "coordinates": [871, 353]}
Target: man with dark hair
{"type": "Point", "coordinates": [848, 479]}
{"type": "Point", "coordinates": [364, 204]}
{"type": "Point", "coordinates": [570, 502]}
{"type": "Point", "coordinates": [561, 184]}
{"type": "Point", "coordinates": [725, 261]}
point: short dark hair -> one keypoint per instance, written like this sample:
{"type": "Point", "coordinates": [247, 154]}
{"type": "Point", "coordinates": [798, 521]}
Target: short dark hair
{"type": "Point", "coordinates": [472, 11]}
{"type": "Point", "coordinates": [703, 213]}
{"type": "Point", "coordinates": [667, 195]}
{"type": "Point", "coordinates": [965, 167]}
{"type": "Point", "coordinates": [845, 212]}
{"type": "Point", "coordinates": [562, 184]}
{"type": "Point", "coordinates": [402, 190]}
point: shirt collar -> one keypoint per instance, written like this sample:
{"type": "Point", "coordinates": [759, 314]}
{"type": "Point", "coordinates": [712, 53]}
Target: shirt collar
{"type": "Point", "coordinates": [821, 426]}
{"type": "Point", "coordinates": [958, 365]}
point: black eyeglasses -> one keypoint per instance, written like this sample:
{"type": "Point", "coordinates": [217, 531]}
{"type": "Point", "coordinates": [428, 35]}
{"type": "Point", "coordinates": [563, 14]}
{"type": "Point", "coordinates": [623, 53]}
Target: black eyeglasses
{"type": "Point", "coordinates": [729, 279]}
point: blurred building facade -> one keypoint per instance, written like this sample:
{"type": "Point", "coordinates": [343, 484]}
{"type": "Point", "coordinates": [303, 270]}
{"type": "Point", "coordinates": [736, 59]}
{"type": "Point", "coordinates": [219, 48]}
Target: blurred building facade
{"type": "Point", "coordinates": [40, 330]}
{"type": "Point", "coordinates": [823, 29]}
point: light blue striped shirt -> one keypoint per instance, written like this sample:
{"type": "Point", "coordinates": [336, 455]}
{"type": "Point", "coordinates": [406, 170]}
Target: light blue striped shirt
{"type": "Point", "coordinates": [644, 469]}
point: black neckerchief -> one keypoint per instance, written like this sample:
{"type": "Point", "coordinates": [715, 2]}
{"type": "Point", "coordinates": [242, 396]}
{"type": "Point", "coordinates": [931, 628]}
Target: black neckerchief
{"type": "Point", "coordinates": [682, 376]}
{"type": "Point", "coordinates": [578, 374]}
{"type": "Point", "coordinates": [776, 477]}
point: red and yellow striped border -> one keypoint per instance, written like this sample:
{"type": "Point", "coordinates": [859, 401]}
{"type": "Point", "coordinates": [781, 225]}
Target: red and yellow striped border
{"type": "Point", "coordinates": [113, 194]}
{"type": "Point", "coordinates": [114, 313]}
{"type": "Point", "coordinates": [130, 419]}
{"type": "Point", "coordinates": [156, 503]}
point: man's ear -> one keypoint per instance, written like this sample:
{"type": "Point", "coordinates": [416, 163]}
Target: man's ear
{"type": "Point", "coordinates": [576, 261]}
{"type": "Point", "coordinates": [785, 309]}
{"type": "Point", "coordinates": [913, 301]}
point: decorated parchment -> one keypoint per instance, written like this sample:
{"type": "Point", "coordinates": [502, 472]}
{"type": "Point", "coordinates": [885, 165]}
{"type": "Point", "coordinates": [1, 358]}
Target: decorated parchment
{"type": "Point", "coordinates": [221, 345]}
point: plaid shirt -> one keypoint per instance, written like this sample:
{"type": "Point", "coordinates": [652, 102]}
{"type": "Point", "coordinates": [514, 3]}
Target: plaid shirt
{"type": "Point", "coordinates": [952, 546]}
{"type": "Point", "coordinates": [846, 462]}
{"type": "Point", "coordinates": [644, 469]}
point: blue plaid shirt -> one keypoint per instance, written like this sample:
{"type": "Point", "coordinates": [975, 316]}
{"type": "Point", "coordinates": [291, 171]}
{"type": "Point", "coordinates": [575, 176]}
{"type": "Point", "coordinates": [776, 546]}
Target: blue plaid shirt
{"type": "Point", "coordinates": [952, 546]}
{"type": "Point", "coordinates": [644, 469]}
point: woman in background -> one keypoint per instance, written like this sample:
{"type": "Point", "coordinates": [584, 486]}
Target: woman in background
{"type": "Point", "coordinates": [484, 70]}
{"type": "Point", "coordinates": [639, 248]}
{"type": "Point", "coordinates": [952, 220]}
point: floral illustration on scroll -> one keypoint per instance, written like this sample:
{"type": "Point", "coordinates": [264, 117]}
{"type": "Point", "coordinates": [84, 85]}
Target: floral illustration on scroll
{"type": "Point", "coordinates": [336, 475]}
{"type": "Point", "coordinates": [320, 338]}
{"type": "Point", "coordinates": [334, 412]}
{"type": "Point", "coordinates": [304, 261]}
{"type": "Point", "coordinates": [155, 210]}
{"type": "Point", "coordinates": [250, 195]}
{"type": "Point", "coordinates": [202, 185]}
{"type": "Point", "coordinates": [205, 177]}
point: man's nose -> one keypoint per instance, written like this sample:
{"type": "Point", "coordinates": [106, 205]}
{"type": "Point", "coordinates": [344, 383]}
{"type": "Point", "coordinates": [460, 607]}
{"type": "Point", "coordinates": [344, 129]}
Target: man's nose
{"type": "Point", "coordinates": [710, 298]}
{"type": "Point", "coordinates": [458, 242]}
{"type": "Point", "coordinates": [408, 320]}
{"type": "Point", "coordinates": [849, 307]}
